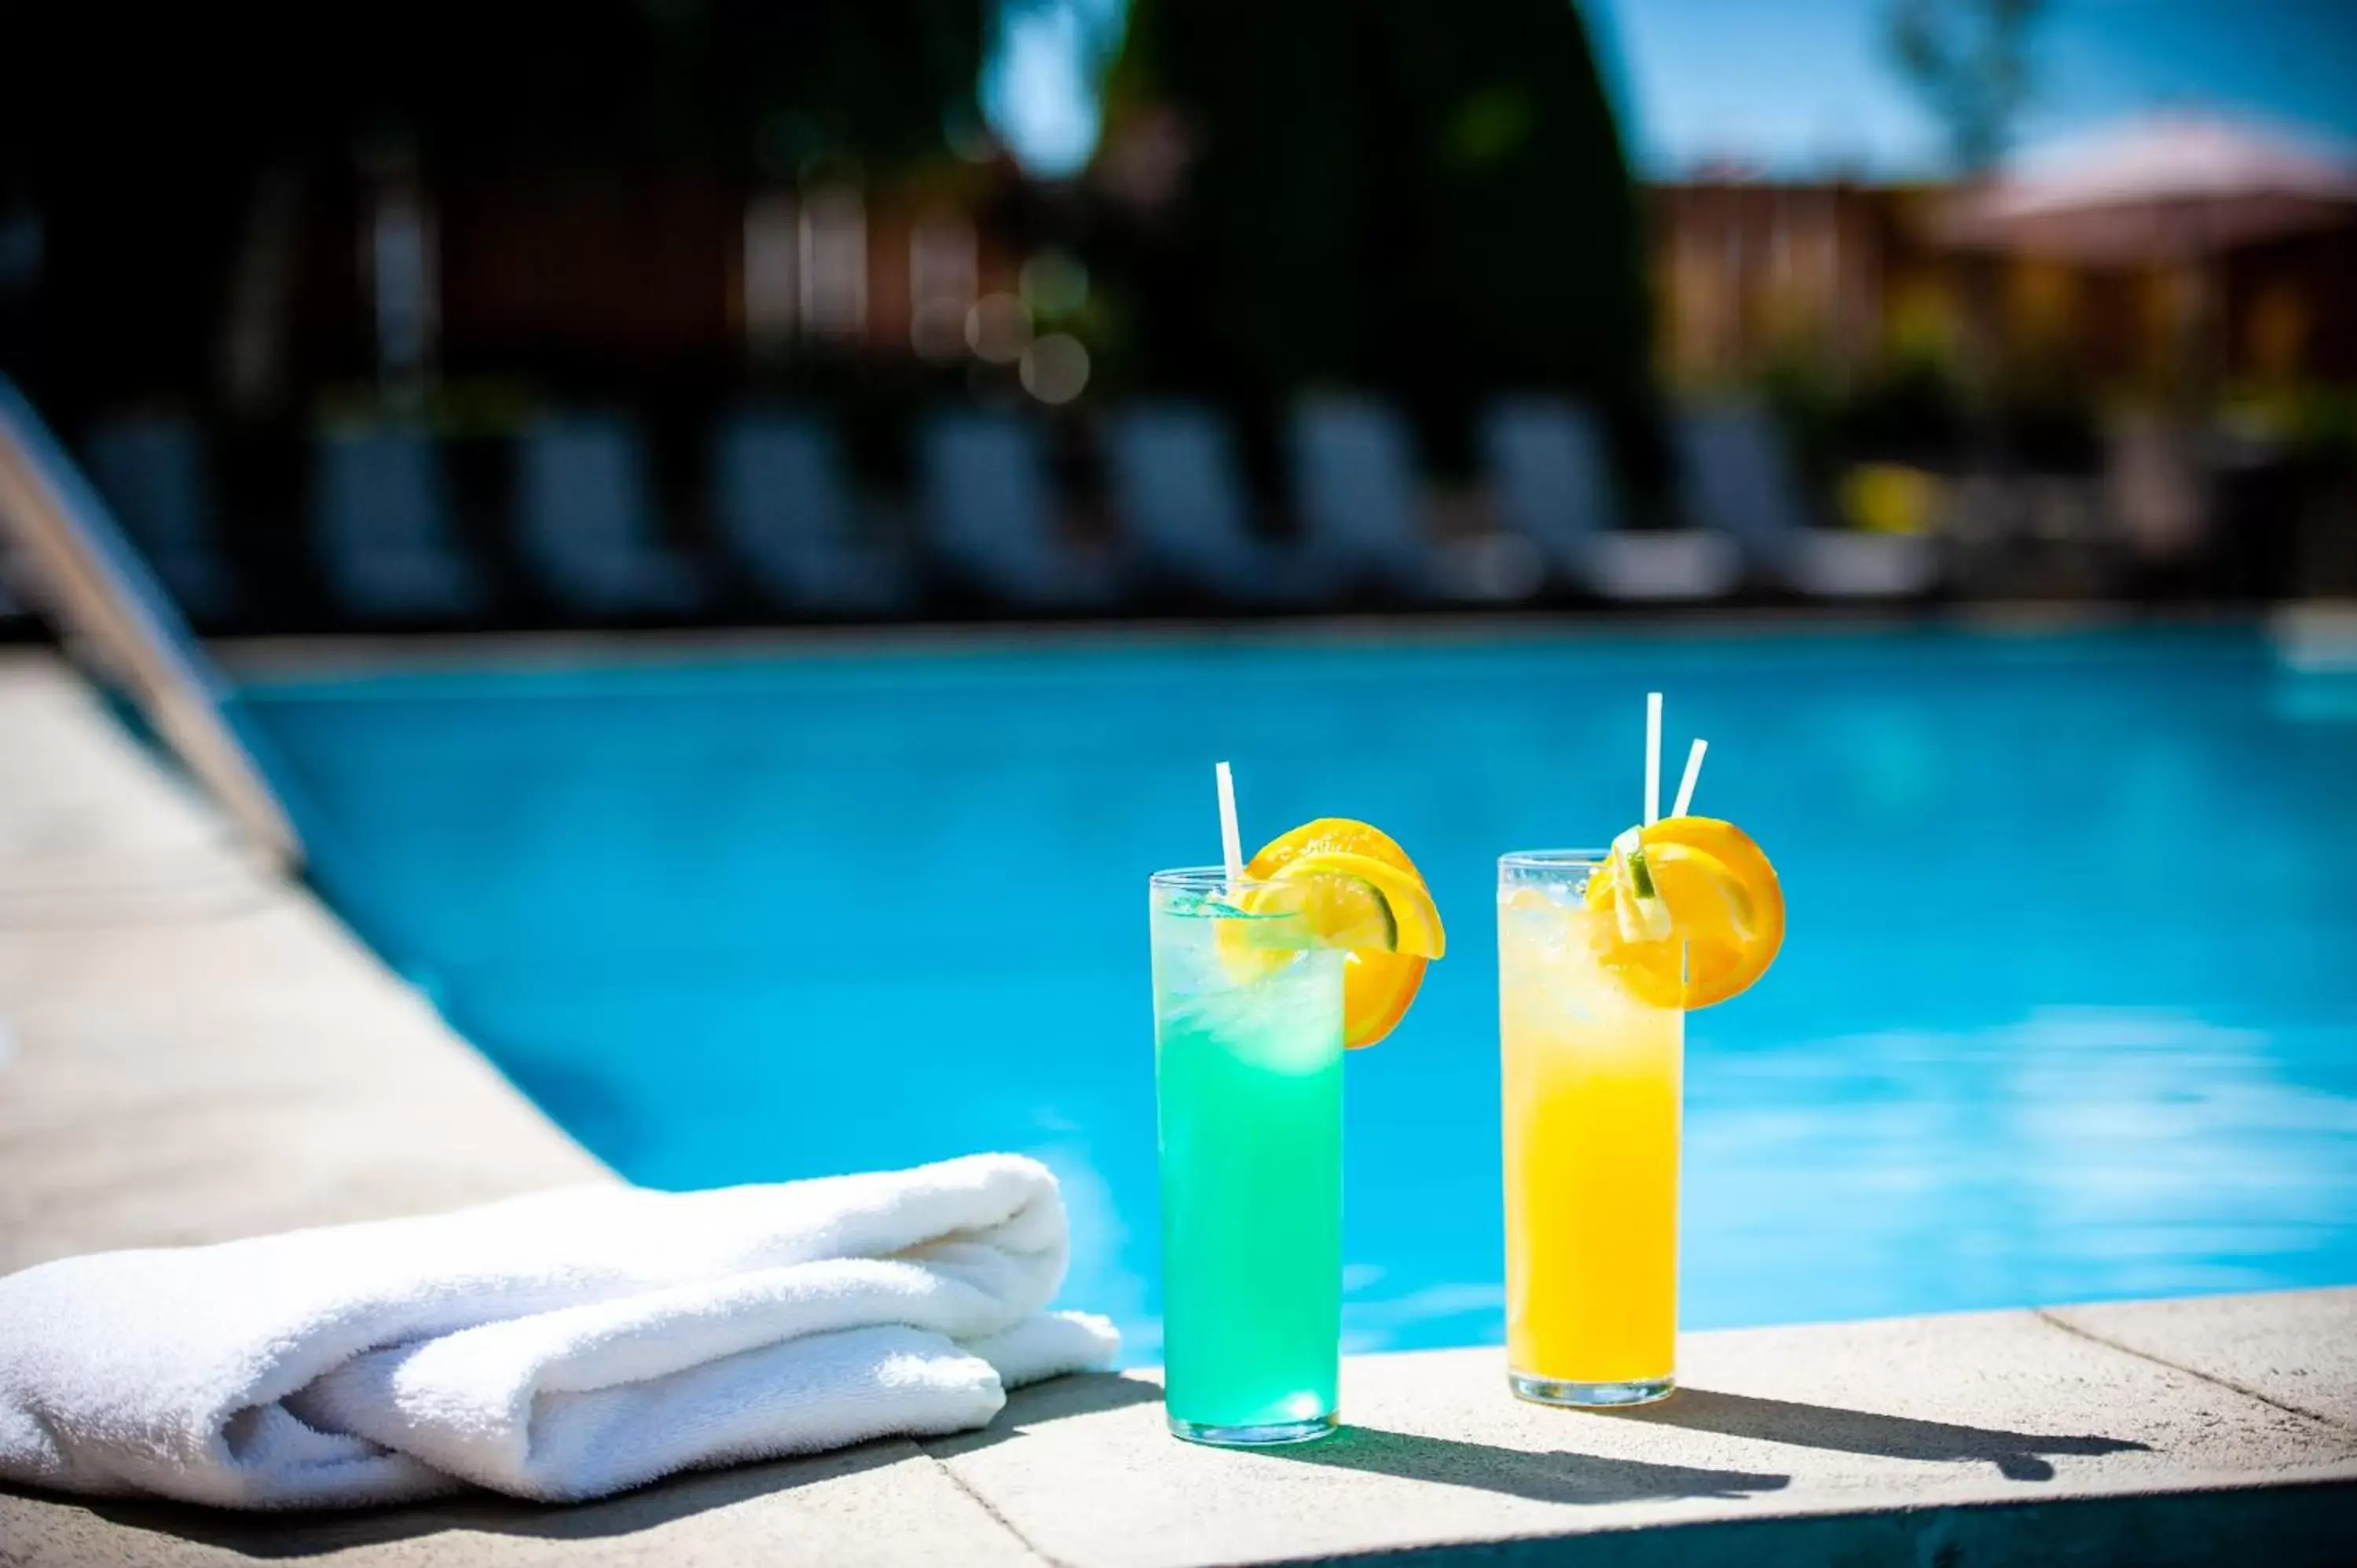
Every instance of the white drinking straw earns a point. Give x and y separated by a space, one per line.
1653 757
1231 841
1693 772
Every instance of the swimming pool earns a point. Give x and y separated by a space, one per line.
2068 1010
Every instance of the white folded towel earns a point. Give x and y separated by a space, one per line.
559 1346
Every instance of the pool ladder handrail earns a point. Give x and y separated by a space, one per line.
116 615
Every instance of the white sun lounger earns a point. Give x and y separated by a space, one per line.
1356 487
154 475
1553 487
990 515
1738 479
788 512
1179 490
586 521
382 527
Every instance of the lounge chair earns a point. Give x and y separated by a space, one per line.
1356 488
1553 487
382 524
154 475
787 512
990 515
1738 481
1180 494
586 521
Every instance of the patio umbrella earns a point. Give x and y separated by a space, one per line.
2172 189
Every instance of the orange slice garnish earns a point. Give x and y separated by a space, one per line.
1378 981
1695 914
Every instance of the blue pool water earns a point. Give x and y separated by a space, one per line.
2068 1009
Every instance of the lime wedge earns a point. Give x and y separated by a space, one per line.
1639 909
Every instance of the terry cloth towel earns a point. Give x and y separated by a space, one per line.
560 1345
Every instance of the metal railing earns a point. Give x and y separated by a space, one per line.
115 615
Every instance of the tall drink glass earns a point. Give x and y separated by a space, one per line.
1248 1072
1593 1085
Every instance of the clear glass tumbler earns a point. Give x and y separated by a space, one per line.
1593 1082
1248 1073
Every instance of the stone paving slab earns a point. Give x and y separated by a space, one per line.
2294 1349
75 786
1910 1414
191 1049
191 1080
882 1505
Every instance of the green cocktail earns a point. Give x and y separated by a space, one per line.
1248 1068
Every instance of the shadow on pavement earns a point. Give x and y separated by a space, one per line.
1552 1477
1081 1393
2017 1456
289 1535
293 1535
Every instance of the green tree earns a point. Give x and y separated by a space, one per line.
1431 201
1969 61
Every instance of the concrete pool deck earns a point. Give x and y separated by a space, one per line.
192 1048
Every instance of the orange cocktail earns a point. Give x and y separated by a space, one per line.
1601 955
1592 1092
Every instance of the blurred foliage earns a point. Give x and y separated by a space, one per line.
1908 407
2045 412
1431 201
1911 406
1914 406
721 83
2315 421
145 130
1970 61
1805 394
